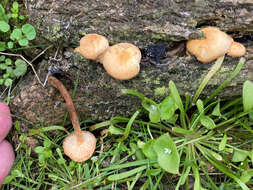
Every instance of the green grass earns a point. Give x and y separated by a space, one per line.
199 144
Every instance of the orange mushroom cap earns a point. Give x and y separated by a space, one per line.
236 50
122 61
215 44
79 152
92 45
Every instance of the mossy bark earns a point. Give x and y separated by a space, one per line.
142 22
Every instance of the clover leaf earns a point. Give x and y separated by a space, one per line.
20 69
4 26
29 31
16 34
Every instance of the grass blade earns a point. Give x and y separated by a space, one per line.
123 175
209 75
225 83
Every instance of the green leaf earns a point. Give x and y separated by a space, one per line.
14 15
4 26
2 46
181 131
197 185
176 96
3 66
8 82
223 142
154 114
39 149
246 175
41 158
8 61
152 108
47 143
6 75
21 17
240 155
154 172
2 10
29 31
216 110
9 71
168 157
129 125
10 45
23 42
115 131
48 154
207 122
15 5
247 95
148 149
2 58
20 69
16 34
167 108
200 106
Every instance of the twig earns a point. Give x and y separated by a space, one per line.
41 53
56 52
29 63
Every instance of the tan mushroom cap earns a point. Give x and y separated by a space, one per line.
92 45
215 44
236 50
122 61
79 152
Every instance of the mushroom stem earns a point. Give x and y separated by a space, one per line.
70 106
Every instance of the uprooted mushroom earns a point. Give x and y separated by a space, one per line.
80 145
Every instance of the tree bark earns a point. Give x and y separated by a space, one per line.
142 22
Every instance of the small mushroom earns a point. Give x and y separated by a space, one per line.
5 120
122 61
80 145
236 50
92 46
215 45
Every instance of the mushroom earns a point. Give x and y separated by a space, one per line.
80 145
92 46
6 159
236 50
5 120
122 61
215 45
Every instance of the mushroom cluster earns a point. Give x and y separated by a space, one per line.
215 44
121 61
6 151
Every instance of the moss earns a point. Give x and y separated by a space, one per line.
161 91
157 81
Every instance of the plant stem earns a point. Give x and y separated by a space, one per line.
70 106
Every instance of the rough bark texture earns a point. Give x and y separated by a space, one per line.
98 96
